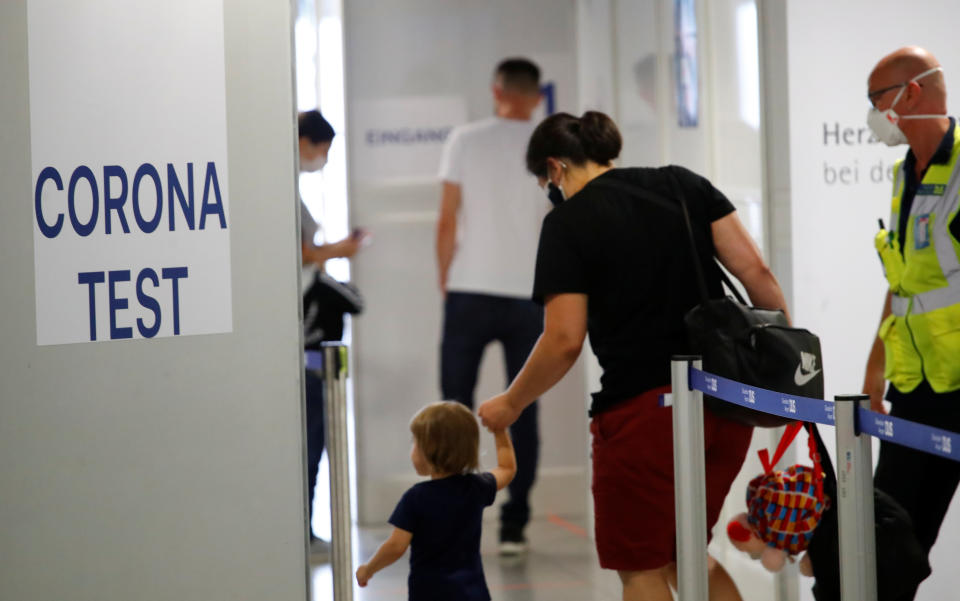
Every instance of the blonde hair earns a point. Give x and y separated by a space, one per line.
448 436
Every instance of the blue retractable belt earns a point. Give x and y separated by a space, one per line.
892 429
909 434
313 360
777 403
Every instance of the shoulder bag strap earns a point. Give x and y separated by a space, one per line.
693 245
651 196
701 280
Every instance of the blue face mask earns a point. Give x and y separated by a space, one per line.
555 194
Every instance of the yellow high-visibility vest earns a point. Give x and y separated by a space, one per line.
922 334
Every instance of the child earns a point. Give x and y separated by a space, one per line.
441 517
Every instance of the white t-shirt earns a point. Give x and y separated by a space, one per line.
501 207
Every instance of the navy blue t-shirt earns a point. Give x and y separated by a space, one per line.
444 517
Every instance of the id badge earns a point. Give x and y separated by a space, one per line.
921 231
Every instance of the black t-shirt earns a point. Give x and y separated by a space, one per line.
630 254
444 517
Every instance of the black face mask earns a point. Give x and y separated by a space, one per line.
555 194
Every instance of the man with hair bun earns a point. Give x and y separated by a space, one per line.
489 221
613 260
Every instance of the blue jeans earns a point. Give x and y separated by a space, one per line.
471 322
314 393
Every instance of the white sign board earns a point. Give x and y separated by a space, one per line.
841 178
841 184
130 201
403 138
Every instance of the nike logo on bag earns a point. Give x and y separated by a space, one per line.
801 379
803 375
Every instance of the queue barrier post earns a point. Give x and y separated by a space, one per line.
689 471
858 568
335 383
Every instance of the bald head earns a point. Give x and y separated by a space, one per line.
903 65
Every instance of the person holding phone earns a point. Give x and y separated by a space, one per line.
325 300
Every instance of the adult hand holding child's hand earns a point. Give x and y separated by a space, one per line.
498 413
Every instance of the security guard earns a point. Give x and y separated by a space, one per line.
918 346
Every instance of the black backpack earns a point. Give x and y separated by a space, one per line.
902 564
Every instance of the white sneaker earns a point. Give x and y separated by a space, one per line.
512 548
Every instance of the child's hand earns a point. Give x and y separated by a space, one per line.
390 551
363 575
506 459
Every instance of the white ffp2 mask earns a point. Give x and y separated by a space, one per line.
885 124
315 165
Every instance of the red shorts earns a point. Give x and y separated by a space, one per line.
633 479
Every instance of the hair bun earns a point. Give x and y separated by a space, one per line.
600 137
593 137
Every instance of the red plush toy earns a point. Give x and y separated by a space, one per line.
784 507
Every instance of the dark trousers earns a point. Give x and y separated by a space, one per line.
922 483
313 385
471 322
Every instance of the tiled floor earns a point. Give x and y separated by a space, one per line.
561 566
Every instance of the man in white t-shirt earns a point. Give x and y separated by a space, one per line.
487 234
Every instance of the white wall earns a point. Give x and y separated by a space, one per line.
165 468
837 283
432 49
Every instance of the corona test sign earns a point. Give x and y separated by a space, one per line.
129 190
